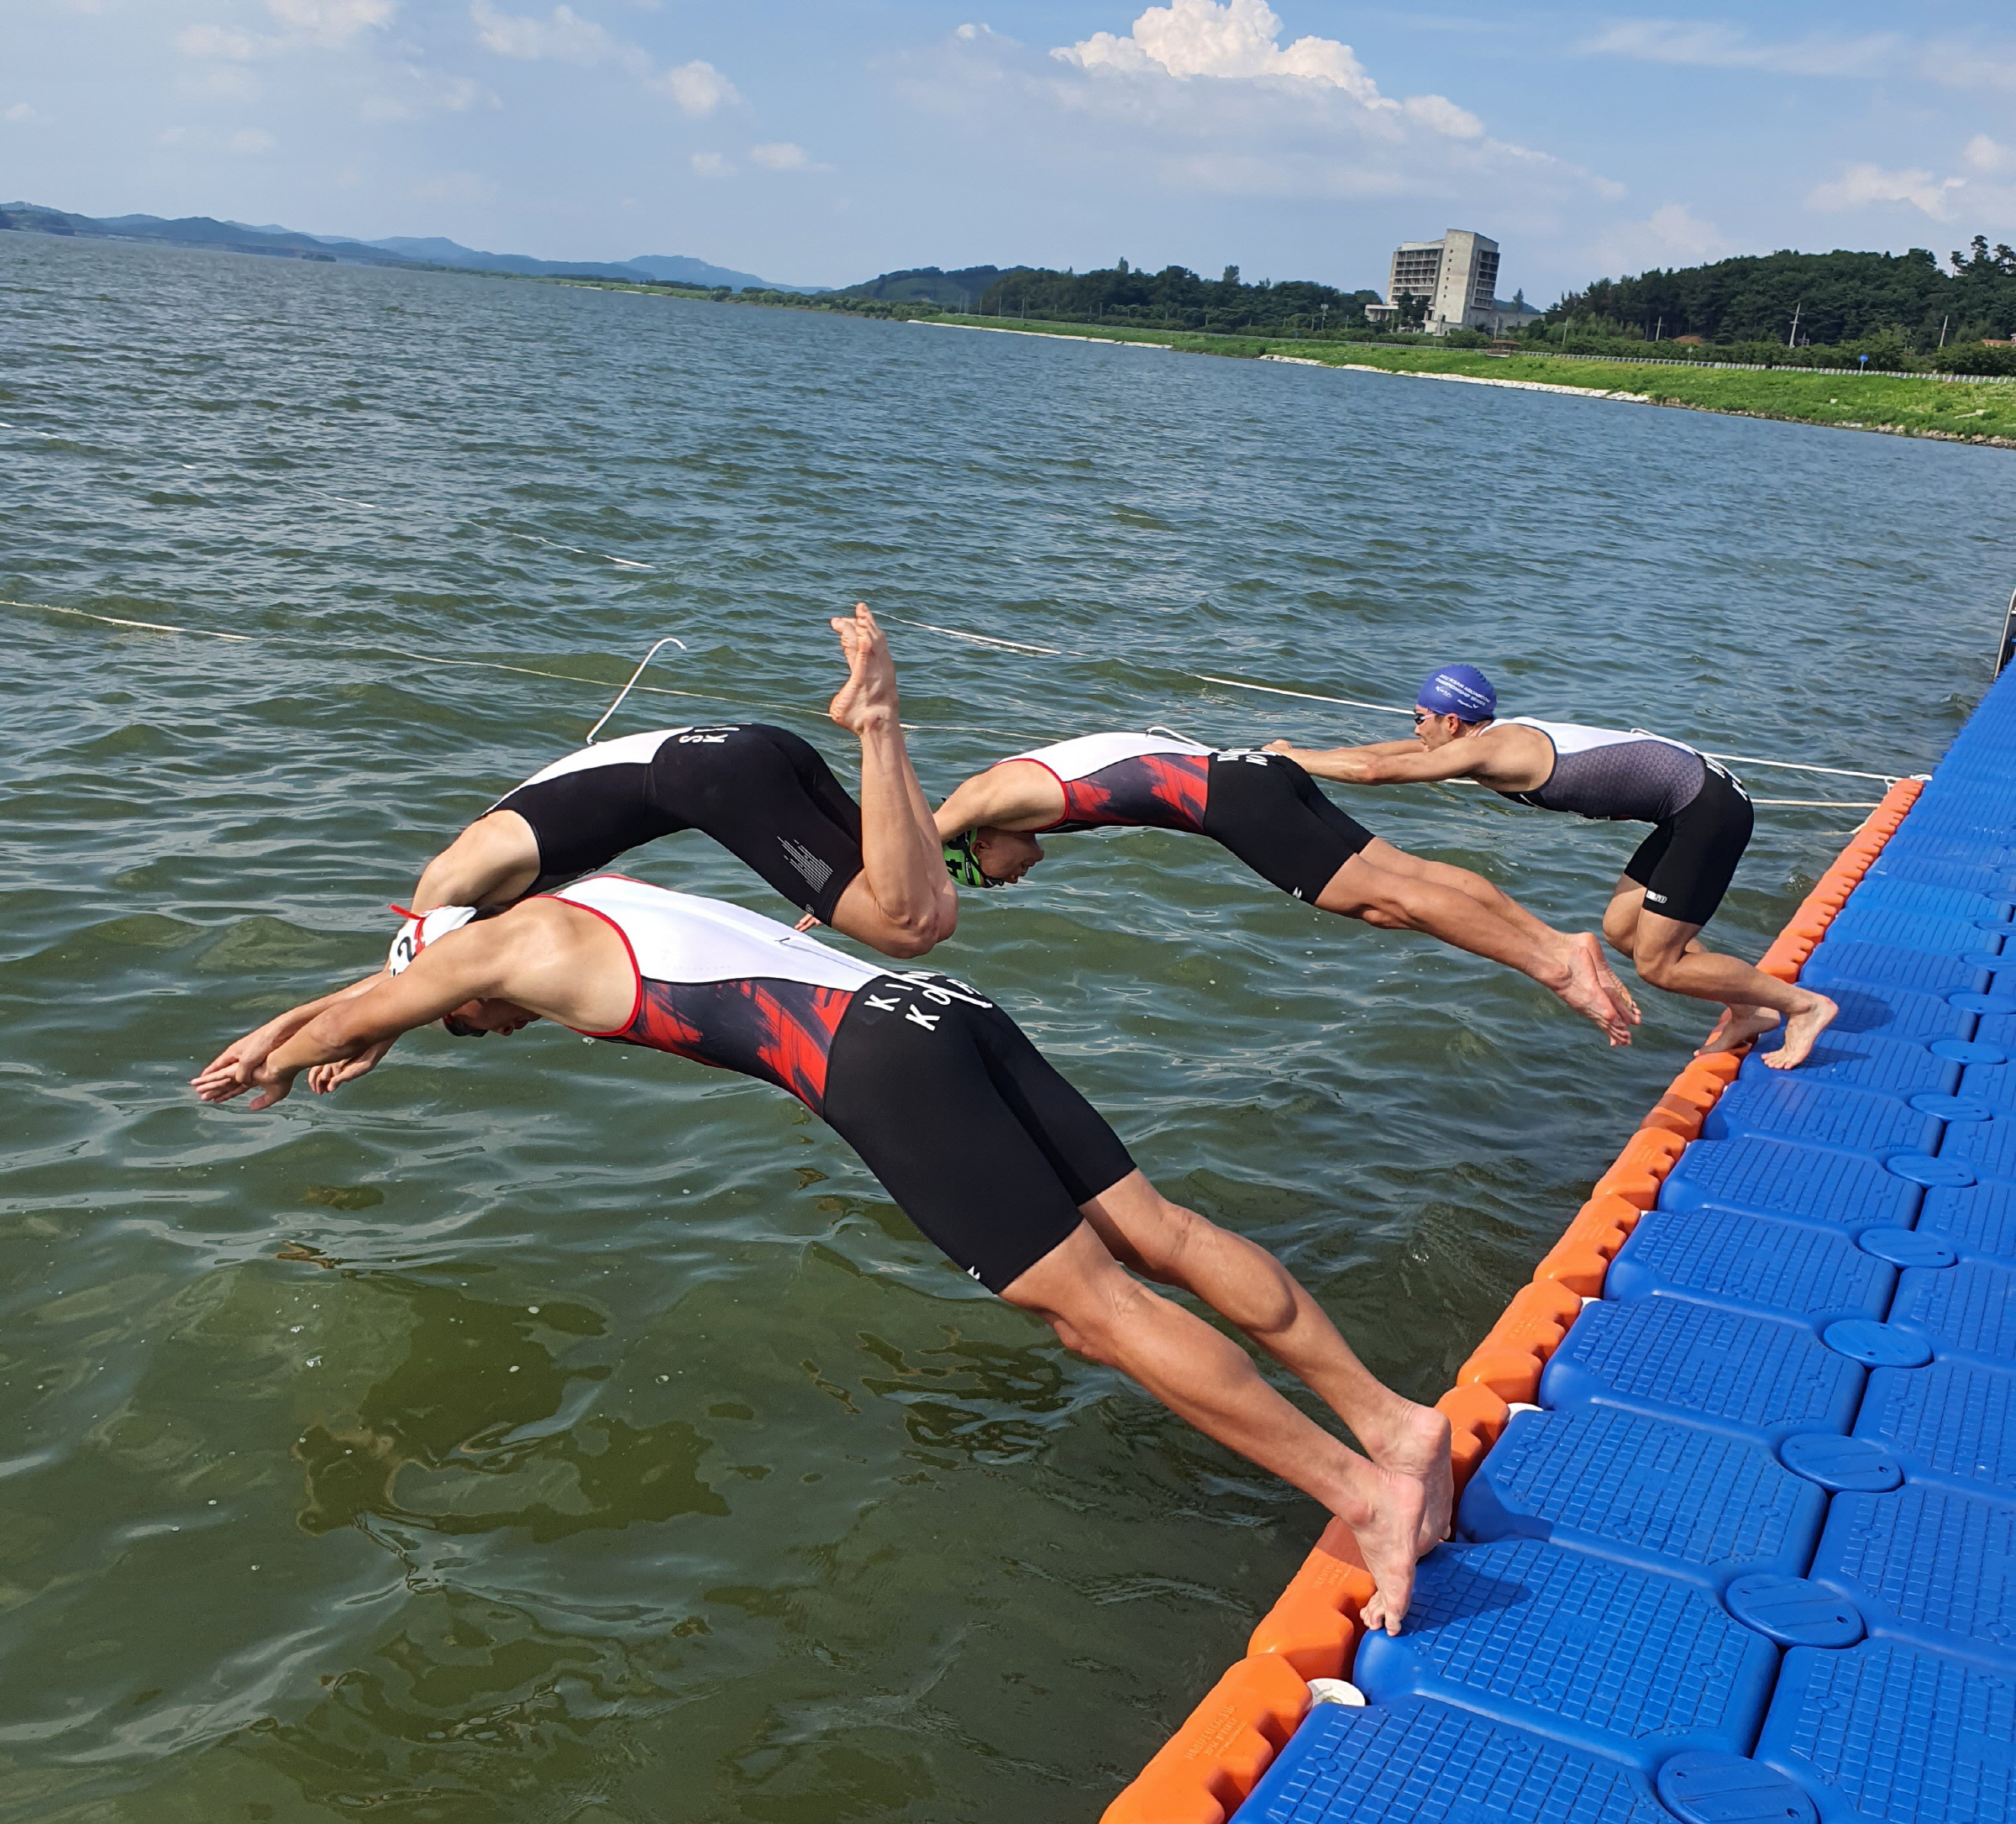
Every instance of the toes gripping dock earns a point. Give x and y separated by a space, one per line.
1737 1524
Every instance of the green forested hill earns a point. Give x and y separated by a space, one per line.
1839 297
1174 298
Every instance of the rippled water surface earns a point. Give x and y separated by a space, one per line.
565 1432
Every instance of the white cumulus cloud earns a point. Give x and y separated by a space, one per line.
563 36
1240 39
309 25
698 87
1672 235
19 113
712 165
1860 185
780 156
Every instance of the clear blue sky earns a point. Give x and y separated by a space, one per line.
822 141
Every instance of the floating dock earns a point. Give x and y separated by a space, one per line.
1737 1521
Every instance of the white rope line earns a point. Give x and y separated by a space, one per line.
979 639
114 620
704 696
1393 709
554 545
1275 690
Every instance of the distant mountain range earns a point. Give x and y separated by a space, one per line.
290 244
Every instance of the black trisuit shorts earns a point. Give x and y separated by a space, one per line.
981 1142
1275 818
763 793
1686 865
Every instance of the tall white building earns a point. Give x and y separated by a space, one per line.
1457 275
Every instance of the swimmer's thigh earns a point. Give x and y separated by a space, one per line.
766 796
583 820
933 1112
1687 864
1275 818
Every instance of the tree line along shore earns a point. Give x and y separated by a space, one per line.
1957 407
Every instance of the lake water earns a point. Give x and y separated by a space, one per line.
568 1432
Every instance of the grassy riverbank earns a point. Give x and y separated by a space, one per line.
1911 405
1907 404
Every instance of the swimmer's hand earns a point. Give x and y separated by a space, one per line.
1288 748
224 1085
324 1077
805 923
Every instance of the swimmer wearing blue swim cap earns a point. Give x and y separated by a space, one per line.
1671 887
1461 691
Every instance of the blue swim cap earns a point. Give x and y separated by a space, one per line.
1460 690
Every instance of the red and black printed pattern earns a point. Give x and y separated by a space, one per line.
779 1030
1160 791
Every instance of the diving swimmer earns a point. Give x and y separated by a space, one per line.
1701 821
1000 1161
1268 811
873 871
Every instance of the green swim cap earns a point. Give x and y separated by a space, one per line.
963 865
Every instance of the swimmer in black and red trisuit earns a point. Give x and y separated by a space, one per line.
1271 815
988 1150
873 871
1701 823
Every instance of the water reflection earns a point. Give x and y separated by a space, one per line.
482 1427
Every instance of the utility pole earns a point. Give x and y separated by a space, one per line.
1661 330
1792 341
1943 322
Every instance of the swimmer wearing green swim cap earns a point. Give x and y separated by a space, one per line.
1272 816
1671 887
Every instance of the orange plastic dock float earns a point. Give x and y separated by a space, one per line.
1672 1452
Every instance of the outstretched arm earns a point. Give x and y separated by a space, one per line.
253 1048
339 1028
1384 763
1015 795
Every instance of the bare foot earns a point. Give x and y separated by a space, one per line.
1386 1529
869 694
1802 1025
1583 990
1417 1446
1738 1026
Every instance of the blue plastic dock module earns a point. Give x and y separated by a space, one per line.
1757 1377
1788 1106
1592 1655
1895 1012
1891 966
1988 1147
1418 1763
1912 930
1896 863
1657 1496
1764 1177
1885 892
1964 1313
1863 1061
1950 1423
1881 1732
1927 1566
1980 1221
1751 1264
